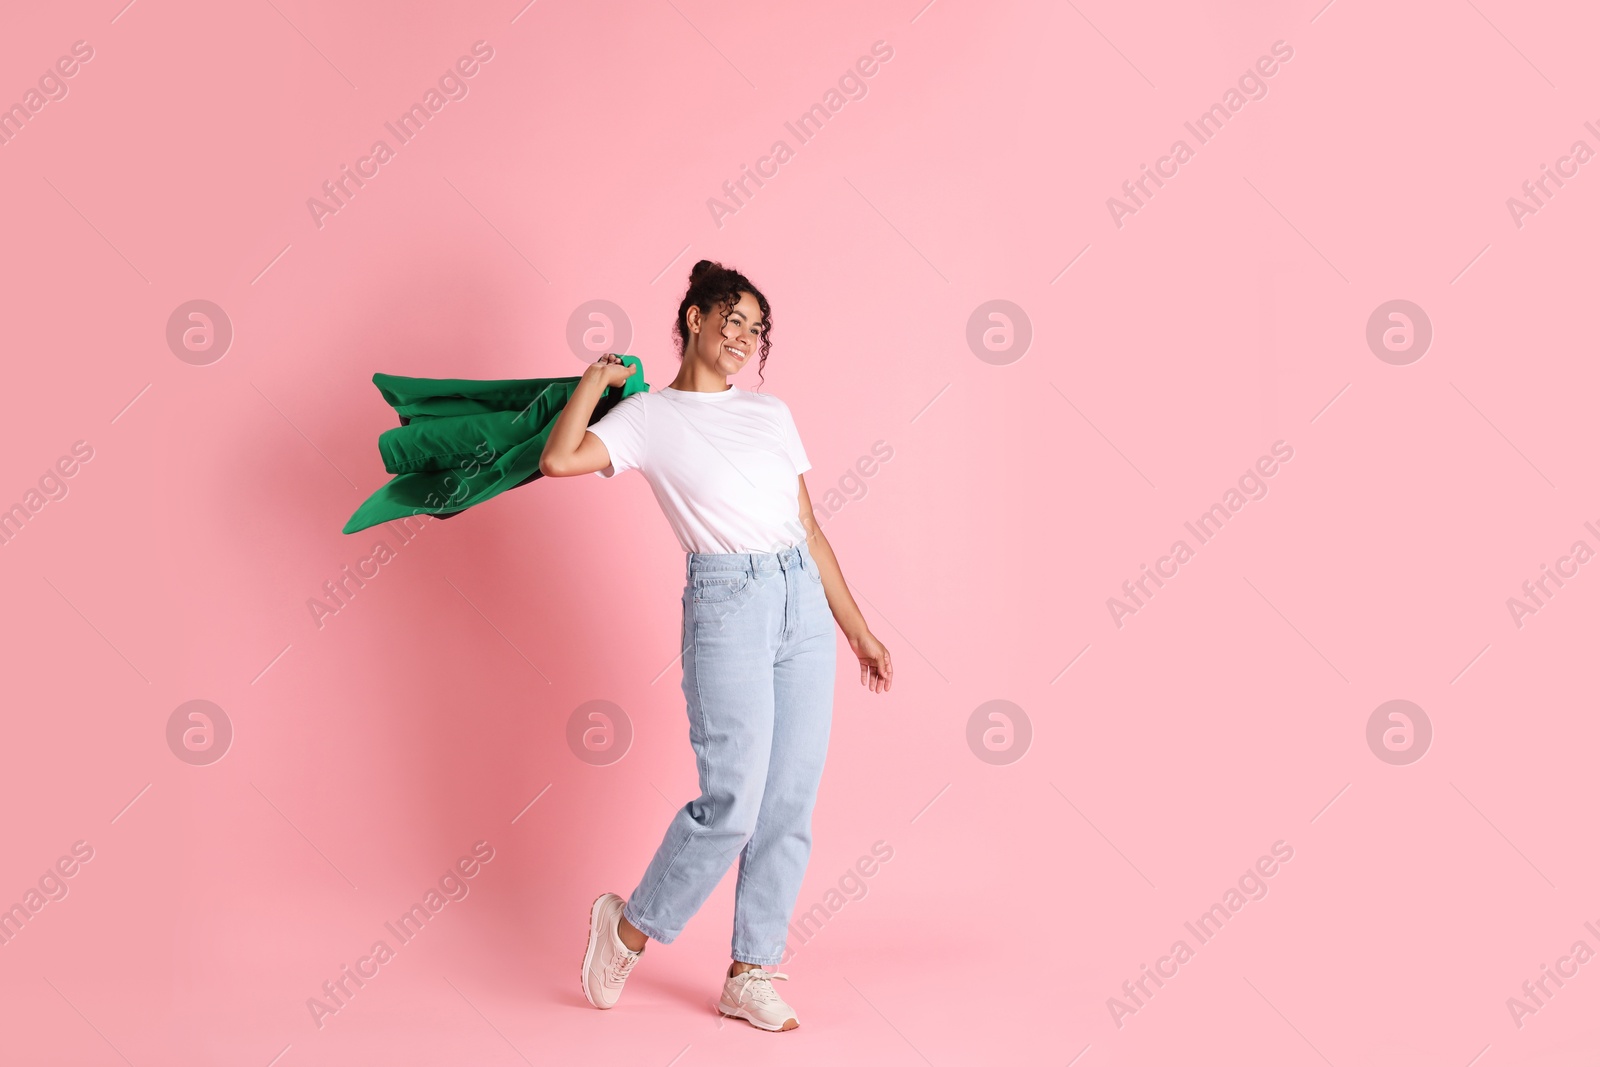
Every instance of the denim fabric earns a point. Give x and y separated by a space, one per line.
758 675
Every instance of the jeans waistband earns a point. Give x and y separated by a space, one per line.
752 563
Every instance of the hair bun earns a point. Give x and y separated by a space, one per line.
702 268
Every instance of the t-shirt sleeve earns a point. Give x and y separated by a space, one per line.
791 441
621 430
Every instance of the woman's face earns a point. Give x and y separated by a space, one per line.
726 343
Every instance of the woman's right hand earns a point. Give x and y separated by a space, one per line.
609 370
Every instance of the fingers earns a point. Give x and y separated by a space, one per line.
869 675
877 673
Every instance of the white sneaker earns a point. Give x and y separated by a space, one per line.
607 961
749 995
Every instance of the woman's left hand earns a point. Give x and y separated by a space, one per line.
877 672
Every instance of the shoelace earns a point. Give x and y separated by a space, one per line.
759 985
621 964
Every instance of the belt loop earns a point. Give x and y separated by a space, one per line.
750 564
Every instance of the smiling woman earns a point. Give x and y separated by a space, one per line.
762 592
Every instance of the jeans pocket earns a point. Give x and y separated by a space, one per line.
717 588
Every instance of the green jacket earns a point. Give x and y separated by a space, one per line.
461 442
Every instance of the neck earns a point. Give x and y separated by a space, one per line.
695 378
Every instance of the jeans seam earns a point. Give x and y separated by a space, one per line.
764 961
700 711
738 885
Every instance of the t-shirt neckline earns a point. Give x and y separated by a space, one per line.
702 395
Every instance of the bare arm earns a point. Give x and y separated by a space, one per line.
877 672
571 449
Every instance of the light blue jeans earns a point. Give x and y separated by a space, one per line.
758 674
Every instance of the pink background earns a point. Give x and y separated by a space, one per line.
1230 312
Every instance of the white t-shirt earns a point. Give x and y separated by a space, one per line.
724 466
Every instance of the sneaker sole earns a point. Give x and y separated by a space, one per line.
740 1015
588 952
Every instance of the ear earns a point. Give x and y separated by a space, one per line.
692 317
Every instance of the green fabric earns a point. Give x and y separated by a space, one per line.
462 441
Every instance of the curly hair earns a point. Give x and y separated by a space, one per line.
713 285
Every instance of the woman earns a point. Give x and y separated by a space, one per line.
759 651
